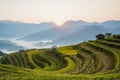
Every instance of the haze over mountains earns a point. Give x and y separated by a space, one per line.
47 33
12 29
75 31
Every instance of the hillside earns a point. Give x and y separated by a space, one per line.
1 53
91 60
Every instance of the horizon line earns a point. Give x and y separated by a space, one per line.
56 22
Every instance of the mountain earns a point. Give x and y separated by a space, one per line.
70 32
67 28
1 53
87 33
13 29
111 24
9 46
74 28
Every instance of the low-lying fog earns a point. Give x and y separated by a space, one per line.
30 44
24 44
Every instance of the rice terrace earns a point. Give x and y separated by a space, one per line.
90 60
59 39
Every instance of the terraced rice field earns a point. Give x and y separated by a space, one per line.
92 60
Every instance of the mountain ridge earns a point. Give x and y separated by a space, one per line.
70 32
73 27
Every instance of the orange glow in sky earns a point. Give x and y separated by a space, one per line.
59 11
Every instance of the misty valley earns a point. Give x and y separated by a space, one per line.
16 36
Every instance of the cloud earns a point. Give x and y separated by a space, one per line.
31 44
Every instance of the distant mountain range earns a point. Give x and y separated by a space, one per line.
70 32
75 31
11 29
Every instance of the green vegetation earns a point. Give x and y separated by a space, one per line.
68 50
93 60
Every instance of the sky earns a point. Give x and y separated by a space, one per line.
59 11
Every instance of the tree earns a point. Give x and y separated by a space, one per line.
108 34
